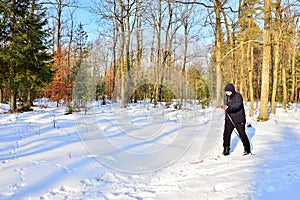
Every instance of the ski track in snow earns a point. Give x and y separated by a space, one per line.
39 161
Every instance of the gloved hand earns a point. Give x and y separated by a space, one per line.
224 107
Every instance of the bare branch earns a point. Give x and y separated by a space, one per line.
194 2
238 46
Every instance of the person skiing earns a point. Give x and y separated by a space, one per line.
234 118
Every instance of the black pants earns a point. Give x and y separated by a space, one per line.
241 130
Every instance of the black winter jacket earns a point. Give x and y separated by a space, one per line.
235 108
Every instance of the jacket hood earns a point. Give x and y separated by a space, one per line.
229 87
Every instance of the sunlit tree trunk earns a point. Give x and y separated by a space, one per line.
218 50
251 68
241 65
242 59
1 95
264 95
121 54
293 62
114 59
276 57
284 82
250 62
231 47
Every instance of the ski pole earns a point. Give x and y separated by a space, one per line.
236 131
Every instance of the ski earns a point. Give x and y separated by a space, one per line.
196 161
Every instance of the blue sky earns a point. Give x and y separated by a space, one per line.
87 19
82 15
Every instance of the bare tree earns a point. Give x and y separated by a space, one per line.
61 86
187 21
218 51
156 15
250 60
217 7
70 43
242 49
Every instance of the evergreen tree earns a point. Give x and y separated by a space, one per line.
198 83
24 54
81 48
38 71
5 43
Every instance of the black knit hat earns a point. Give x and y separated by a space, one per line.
229 87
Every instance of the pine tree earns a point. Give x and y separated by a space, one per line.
39 71
24 54
81 49
4 43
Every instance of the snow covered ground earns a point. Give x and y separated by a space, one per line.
144 153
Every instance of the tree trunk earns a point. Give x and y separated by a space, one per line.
139 43
167 48
230 45
121 55
241 61
218 53
114 64
13 101
69 53
13 94
29 99
276 59
293 63
158 66
250 60
264 96
128 42
152 75
185 52
58 34
242 73
285 96
251 68
1 95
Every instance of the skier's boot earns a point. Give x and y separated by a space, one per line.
226 150
246 151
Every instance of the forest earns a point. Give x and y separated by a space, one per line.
154 51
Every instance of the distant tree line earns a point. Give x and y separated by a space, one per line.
158 50
255 46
